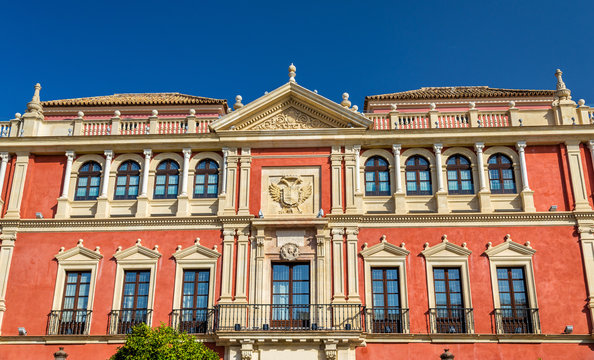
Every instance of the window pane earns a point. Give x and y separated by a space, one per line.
204 276
383 176
440 299
301 272
376 274
189 276
120 191
280 287
82 181
83 290
456 299
392 286
423 175
129 289
467 185
213 179
70 290
370 186
393 300
504 298
203 288
134 180
411 175
133 190
160 190
301 287
280 272
493 174
160 180
199 189
188 289
503 285
455 286
200 178
452 185
465 174
425 186
517 273
440 286
173 179
212 189
378 300
439 273
144 276
95 180
518 285
378 286
392 274
381 162
453 273
369 176
121 180
384 186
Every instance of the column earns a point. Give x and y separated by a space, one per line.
244 181
106 170
351 177
242 265
322 275
224 172
6 249
148 153
484 194
578 181
229 183
336 160
352 266
587 242
397 174
338 265
187 154
67 173
441 195
4 157
227 273
526 194
357 150
18 184
257 280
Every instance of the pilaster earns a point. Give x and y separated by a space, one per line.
183 199
257 280
8 239
18 185
244 181
336 161
227 273
242 265
4 157
586 231
441 196
229 183
527 194
576 171
322 266
399 194
352 265
351 182
338 265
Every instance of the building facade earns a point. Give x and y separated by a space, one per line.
296 227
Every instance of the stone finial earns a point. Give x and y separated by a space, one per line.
238 103
426 245
562 91
444 238
215 248
60 354
292 72
156 248
403 245
383 238
472 105
178 248
138 242
512 104
345 100
365 246
119 249
489 245
581 102
98 249
355 108
432 106
508 237
197 241
17 116
393 107
80 114
35 104
117 113
62 249
79 243
528 244
464 245
154 113
192 112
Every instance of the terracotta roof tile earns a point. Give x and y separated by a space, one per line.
460 92
136 99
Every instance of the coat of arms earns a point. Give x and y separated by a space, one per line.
290 192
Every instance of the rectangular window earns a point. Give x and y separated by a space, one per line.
290 296
386 312
74 313
515 311
134 309
449 307
194 302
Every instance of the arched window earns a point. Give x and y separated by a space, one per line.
127 181
459 175
501 175
89 179
206 183
166 180
418 176
377 177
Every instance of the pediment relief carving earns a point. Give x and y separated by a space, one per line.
290 119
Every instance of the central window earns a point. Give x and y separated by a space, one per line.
89 178
194 306
501 175
73 317
459 175
449 308
387 314
515 312
290 296
206 179
418 176
134 300
127 181
377 178
166 180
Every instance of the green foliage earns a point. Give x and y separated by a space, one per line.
162 343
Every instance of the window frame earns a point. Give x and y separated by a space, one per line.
167 172
127 174
376 170
88 175
459 168
207 172
416 168
500 167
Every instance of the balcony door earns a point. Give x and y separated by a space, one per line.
290 296
449 312
386 312
74 313
194 306
515 312
134 309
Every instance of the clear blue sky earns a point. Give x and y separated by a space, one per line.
220 49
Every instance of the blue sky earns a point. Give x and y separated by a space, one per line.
221 49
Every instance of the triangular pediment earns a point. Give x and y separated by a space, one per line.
291 107
384 250
79 253
446 249
137 252
196 252
509 249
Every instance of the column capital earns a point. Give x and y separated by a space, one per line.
225 151
108 154
437 148
246 151
591 144
520 145
357 148
4 156
479 146
147 153
70 154
187 153
396 149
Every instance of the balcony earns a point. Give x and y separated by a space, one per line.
122 321
69 322
386 320
194 321
517 321
452 320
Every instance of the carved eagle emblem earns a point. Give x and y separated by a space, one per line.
290 192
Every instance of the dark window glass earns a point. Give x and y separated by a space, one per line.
449 305
377 177
135 294
290 295
75 303
194 301
418 176
501 175
166 180
513 298
89 179
459 175
127 181
386 312
206 183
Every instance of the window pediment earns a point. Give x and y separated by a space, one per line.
445 249
137 252
196 252
383 250
509 248
79 253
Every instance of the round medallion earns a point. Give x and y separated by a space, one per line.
289 252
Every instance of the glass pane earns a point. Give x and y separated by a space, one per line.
203 288
411 175
95 181
452 174
160 180
492 159
280 272
121 180
508 184
410 161
502 273
440 286
378 287
504 298
423 175
465 174
455 286
384 186
72 277
517 274
187 302
82 181
70 290
495 185
507 173
213 179
440 299
392 274
425 186
456 299
504 159
189 276
69 303
212 189
200 178
160 190
439 273
143 289
467 185
369 176
134 180
204 276
128 302
503 285
451 160
202 301
188 289
393 300
82 302
142 302
519 285
378 300
493 174
370 186
93 192
120 191
452 185
381 161
129 289
301 272
520 299
202 165
300 299
280 299
392 286
383 175
453 274
410 186
376 274
133 190
83 290
85 277
280 287
172 190
301 287
173 179
199 189
422 161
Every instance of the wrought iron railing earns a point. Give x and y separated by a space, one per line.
273 317
69 322
456 320
517 321
386 320
122 321
194 321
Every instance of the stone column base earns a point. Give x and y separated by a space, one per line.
528 201
442 202
102 208
484 197
400 203
63 211
183 206
142 206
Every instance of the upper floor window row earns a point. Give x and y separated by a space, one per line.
128 180
459 170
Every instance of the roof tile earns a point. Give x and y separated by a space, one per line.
136 99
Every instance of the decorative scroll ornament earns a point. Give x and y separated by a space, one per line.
289 120
290 192
289 252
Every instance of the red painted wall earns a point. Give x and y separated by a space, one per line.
560 281
33 274
548 177
75 352
258 164
482 351
43 186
